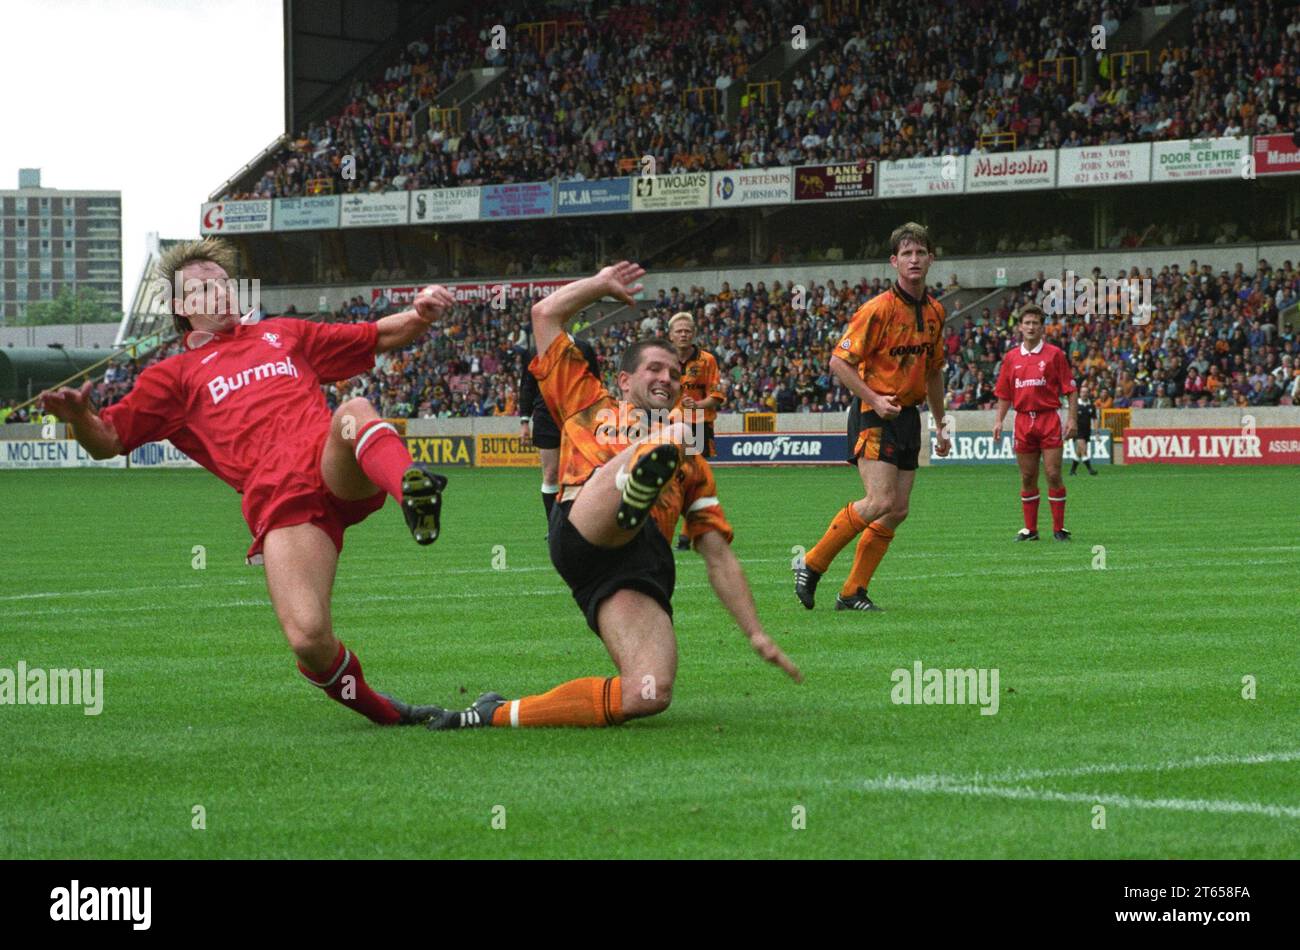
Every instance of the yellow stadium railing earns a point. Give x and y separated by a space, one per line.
448 118
1116 420
1121 62
993 140
535 32
760 422
701 92
394 123
1057 66
761 90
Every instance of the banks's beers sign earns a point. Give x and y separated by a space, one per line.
835 182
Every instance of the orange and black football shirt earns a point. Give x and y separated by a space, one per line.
595 427
895 340
701 380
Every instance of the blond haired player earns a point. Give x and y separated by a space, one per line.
702 391
891 359
244 400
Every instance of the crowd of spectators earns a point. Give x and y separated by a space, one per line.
610 84
1208 340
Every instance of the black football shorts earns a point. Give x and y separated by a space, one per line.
593 574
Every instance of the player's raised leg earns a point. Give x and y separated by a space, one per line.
1056 491
300 564
364 454
1028 464
616 500
883 509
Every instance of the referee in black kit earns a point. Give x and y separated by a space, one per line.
545 431
1083 438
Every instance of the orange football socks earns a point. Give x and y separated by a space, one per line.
871 548
590 701
845 526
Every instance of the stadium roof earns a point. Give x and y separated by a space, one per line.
328 41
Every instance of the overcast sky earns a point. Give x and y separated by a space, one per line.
162 100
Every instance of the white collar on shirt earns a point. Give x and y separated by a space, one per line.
1025 352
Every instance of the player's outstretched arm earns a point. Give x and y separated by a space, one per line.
728 580
96 436
550 314
397 330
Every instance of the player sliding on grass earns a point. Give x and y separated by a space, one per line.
891 359
244 401
620 499
1034 377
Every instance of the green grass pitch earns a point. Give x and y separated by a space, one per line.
1120 686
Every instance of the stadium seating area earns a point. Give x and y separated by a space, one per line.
903 79
1213 340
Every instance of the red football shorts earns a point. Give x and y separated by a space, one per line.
1036 431
287 489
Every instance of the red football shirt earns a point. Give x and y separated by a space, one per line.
227 402
1034 380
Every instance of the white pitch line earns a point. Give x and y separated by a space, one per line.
41 595
929 786
1119 768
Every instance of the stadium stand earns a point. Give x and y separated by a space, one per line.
903 79
1212 341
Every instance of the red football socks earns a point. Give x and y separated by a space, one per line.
382 455
1056 498
1029 502
344 683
